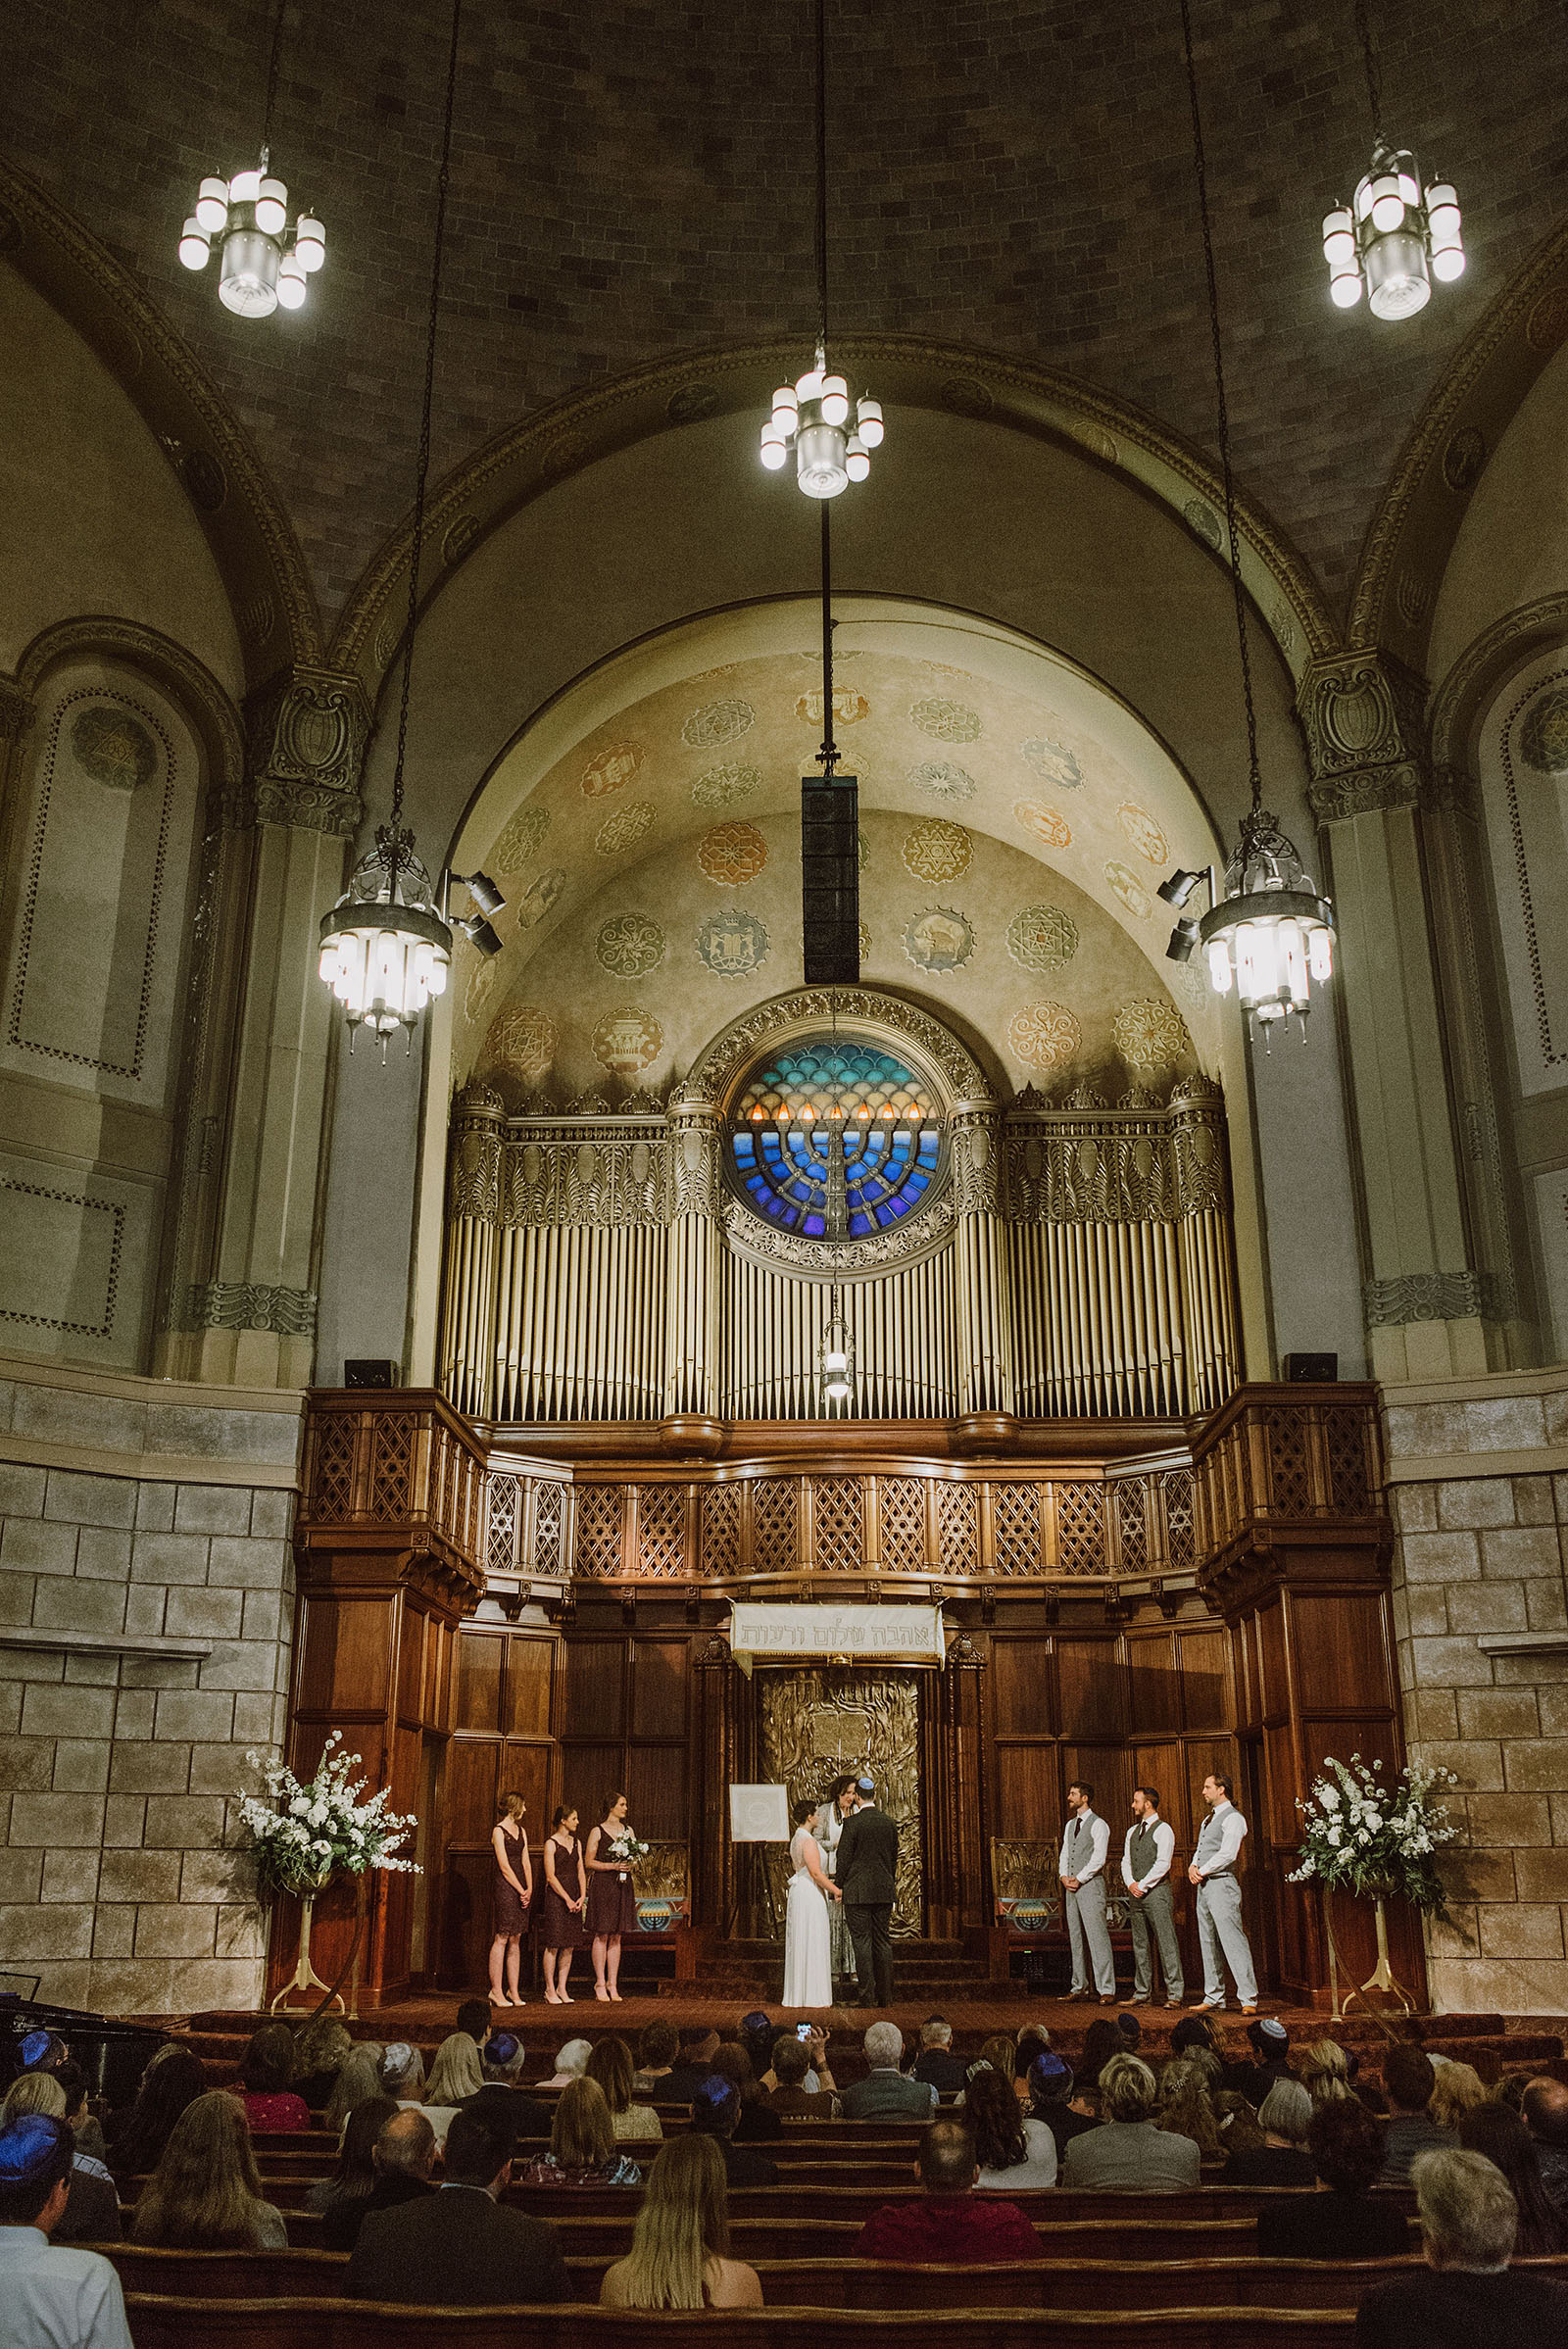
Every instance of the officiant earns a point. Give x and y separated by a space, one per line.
841 1799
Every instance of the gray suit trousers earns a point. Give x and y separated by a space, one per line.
1155 1913
1087 1928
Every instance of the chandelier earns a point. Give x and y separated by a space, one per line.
836 1358
1266 931
1395 236
814 413
262 260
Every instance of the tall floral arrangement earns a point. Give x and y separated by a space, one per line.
303 1835
1359 1835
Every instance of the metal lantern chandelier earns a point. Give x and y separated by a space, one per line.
812 415
1267 931
262 260
1395 236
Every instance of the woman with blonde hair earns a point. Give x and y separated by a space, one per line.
92 2201
611 2064
1187 2107
205 2193
510 1896
456 2073
358 2077
679 2255
582 2144
320 2049
1325 2073
1459 2090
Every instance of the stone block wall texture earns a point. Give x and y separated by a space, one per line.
1478 1493
120 1753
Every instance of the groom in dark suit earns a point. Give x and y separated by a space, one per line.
867 1874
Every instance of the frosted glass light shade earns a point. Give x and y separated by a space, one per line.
248 281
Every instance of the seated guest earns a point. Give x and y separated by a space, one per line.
42 2051
1281 2160
205 2193
1457 2089
1270 2059
1543 2110
84 2125
1186 2106
1349 2221
1127 2151
140 2131
455 2077
950 2224
49 2298
699 2044
758 2123
500 2100
679 2255
1409 2080
818 2079
474 2017
401 2161
610 2066
400 2070
1324 2072
656 2051
358 2079
756 2033
715 2113
1196 2030
1466 2297
1239 2128
936 2063
1051 2101
1015 2154
320 2047
571 2063
1101 2040
582 2144
355 2174
92 2200
1030 2043
1499 2133
884 2094
455 2248
792 2099
270 2104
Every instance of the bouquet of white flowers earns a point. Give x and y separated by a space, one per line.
625 1849
303 1835
1361 1836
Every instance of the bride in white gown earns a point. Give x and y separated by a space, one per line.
808 1959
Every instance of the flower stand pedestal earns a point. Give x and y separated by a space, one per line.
305 1977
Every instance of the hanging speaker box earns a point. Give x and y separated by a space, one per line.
830 879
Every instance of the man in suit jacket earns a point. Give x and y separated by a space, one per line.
867 1880
1127 2151
936 2062
885 2094
457 2249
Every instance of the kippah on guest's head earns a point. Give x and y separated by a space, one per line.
40 2050
28 2145
1048 2074
1132 2031
712 2100
502 2049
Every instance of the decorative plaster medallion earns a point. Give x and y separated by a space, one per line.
1043 1034
1412 594
388 637
1463 459
519 838
1202 517
539 895
1543 736
1041 938
1150 1033
1283 625
723 786
1045 822
1052 761
716 722
1194 984
459 536
480 987
732 854
866 942
849 707
937 851
113 747
624 828
939 940
692 404
1547 322
610 770
627 1041
942 779
1129 889
947 720
734 943
630 945
1144 832
522 1041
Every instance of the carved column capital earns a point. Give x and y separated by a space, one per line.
1361 713
306 734
974 1142
478 1122
694 1159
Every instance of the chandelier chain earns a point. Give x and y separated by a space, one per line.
274 55
423 463
1374 79
1201 173
821 173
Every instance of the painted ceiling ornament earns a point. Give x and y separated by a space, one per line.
1052 761
539 895
627 1041
1543 735
945 720
1041 938
715 722
732 854
480 988
630 945
734 943
1044 822
725 786
1043 1034
610 770
942 779
1144 834
938 850
624 828
519 840
523 1041
1128 890
114 748
849 707
939 940
865 943
1150 1033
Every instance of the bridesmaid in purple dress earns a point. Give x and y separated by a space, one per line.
612 1902
509 1900
561 1927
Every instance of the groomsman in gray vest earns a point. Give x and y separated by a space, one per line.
1085 1843
1146 1860
1219 1899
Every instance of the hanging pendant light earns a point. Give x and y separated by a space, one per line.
386 944
1395 236
812 416
262 262
1267 930
836 1357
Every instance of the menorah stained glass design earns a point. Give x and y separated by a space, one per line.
835 1138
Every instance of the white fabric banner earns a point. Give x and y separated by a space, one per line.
777 1634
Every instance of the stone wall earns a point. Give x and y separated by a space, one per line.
146 1615
1479 1476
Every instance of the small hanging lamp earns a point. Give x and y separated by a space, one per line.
263 262
1395 236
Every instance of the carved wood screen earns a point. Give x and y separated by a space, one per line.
817 1724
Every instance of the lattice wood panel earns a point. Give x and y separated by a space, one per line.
838 1524
721 1529
661 1531
1132 1524
1080 1528
775 1523
549 1528
1290 1471
901 1512
599 1530
958 1521
391 1464
1016 1527
1181 1541
1346 1438
504 1522
332 1492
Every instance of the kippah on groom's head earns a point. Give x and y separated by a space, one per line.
865 1786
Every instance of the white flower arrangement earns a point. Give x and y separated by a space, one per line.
302 1836
626 1849
1359 1835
